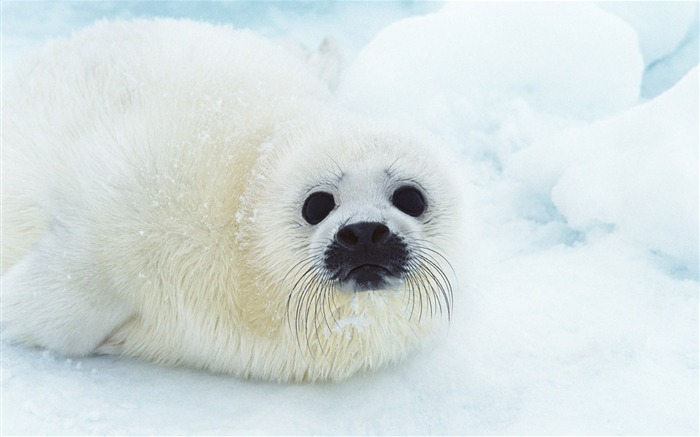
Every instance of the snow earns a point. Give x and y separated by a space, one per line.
577 130
661 26
626 173
668 38
570 58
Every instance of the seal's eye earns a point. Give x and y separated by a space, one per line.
409 201
317 207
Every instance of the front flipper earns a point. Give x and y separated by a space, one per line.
59 299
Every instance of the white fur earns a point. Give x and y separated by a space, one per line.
153 178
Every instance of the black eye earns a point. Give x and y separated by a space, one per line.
409 201
317 207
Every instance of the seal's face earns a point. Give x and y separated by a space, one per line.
366 256
367 250
353 232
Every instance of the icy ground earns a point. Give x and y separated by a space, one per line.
577 130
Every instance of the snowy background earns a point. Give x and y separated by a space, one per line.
576 125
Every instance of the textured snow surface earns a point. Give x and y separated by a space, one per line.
577 130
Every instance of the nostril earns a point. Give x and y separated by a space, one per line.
346 236
380 234
363 234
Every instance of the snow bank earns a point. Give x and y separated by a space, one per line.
661 26
635 174
571 59
668 38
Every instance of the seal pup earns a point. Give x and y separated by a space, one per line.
191 195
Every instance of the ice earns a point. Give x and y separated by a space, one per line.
576 127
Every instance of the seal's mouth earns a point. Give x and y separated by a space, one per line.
366 256
369 277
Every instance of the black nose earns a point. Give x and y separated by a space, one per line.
362 234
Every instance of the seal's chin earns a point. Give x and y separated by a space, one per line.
369 277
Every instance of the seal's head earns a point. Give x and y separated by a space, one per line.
353 231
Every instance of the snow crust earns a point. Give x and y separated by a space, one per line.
578 306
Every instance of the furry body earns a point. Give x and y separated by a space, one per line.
153 174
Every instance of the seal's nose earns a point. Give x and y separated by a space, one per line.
368 234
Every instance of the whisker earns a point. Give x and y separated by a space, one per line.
440 285
314 309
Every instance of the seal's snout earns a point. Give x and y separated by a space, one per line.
364 235
366 256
